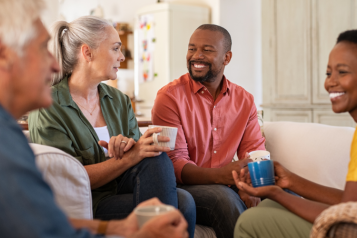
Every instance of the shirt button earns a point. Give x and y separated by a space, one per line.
202 91
215 129
215 152
214 106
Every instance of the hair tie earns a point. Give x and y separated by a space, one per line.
64 31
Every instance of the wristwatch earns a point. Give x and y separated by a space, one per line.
102 228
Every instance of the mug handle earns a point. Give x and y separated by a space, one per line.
154 137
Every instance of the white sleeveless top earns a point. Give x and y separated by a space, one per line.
103 134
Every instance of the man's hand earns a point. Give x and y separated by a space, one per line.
226 171
129 226
243 176
171 224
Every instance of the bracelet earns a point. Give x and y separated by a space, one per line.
102 228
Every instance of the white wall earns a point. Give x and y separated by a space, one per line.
114 10
213 4
242 18
51 13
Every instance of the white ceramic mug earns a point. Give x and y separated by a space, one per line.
259 155
168 131
143 214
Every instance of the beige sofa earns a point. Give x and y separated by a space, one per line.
317 152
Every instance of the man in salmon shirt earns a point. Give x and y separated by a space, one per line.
215 119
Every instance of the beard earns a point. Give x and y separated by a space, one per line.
210 76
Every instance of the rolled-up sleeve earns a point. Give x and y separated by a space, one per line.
134 131
252 139
166 113
45 130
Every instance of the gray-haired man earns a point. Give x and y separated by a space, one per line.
26 202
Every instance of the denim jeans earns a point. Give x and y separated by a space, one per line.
217 206
152 177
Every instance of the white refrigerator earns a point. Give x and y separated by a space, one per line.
161 39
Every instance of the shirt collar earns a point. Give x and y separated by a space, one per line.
65 98
225 86
197 86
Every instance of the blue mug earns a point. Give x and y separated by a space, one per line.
262 173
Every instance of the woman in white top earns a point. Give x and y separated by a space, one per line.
86 113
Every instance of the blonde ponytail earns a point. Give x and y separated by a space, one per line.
69 37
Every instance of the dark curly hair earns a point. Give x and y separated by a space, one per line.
348 36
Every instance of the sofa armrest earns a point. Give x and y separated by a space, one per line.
335 221
68 179
27 134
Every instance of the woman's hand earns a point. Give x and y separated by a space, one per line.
244 185
283 177
262 192
250 201
117 145
144 147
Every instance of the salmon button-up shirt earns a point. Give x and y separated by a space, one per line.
210 131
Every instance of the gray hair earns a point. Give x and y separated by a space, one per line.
69 37
17 19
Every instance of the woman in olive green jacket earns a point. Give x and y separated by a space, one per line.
95 123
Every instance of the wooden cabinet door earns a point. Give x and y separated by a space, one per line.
291 115
286 35
328 117
329 19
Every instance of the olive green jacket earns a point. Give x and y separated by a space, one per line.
65 127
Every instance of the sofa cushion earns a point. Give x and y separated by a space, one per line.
68 179
27 134
319 153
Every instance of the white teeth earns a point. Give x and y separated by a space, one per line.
199 66
333 95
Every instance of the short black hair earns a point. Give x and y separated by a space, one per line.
225 33
348 36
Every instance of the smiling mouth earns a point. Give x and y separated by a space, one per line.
199 65
334 95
